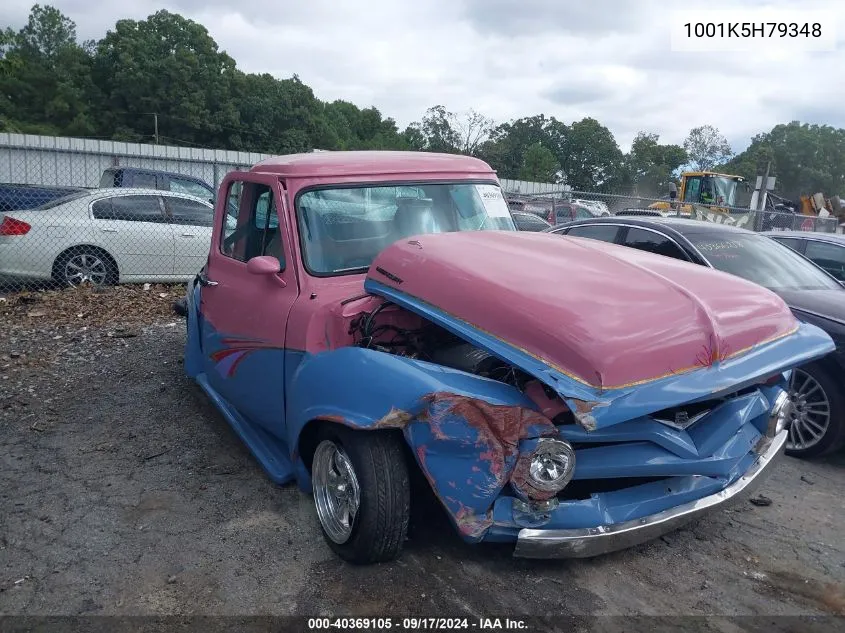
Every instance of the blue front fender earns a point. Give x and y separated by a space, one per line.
464 430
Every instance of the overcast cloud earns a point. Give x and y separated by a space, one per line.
607 59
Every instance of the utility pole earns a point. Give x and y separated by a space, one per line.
764 189
155 122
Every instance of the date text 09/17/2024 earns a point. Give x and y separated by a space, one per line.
416 624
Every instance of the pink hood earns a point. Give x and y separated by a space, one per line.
607 316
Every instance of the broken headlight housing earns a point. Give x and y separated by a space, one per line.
545 470
781 414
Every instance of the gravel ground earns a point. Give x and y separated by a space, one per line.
123 492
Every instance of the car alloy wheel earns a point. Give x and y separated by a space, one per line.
337 494
85 267
811 412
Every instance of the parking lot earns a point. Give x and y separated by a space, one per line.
124 492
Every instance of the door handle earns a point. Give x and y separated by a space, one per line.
188 235
203 279
109 230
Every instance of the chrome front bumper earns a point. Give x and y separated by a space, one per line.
587 542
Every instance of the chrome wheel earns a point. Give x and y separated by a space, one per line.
336 491
85 267
810 411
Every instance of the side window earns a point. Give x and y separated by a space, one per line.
252 223
652 242
191 188
529 222
140 179
129 208
792 242
602 232
107 180
829 256
102 209
189 212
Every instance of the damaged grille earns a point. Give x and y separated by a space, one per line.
684 416
581 489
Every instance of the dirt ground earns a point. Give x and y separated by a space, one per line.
123 492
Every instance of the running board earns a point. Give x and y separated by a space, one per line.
270 452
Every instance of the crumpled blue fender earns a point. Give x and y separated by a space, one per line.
464 430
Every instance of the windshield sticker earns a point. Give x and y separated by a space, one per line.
494 201
715 247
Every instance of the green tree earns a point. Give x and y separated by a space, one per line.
508 142
591 159
539 164
45 82
170 66
706 147
651 165
355 128
473 131
805 159
47 33
436 132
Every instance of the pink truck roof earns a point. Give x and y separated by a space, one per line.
371 163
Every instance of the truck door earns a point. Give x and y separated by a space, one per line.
244 314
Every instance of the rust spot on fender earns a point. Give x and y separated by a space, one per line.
506 424
394 419
499 427
584 413
471 524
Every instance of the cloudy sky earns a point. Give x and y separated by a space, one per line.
613 60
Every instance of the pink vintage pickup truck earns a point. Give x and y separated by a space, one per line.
366 314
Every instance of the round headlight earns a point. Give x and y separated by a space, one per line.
781 414
552 465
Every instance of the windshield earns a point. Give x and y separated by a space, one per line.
725 190
343 229
719 190
761 260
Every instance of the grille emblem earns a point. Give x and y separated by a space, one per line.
682 420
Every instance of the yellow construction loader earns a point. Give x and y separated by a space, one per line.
703 187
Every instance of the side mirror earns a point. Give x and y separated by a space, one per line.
266 265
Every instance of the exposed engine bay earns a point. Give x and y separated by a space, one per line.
391 329
431 343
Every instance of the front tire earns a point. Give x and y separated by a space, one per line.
818 426
361 493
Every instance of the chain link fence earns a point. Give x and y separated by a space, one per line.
78 212
565 206
85 212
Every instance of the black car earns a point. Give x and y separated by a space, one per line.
526 221
814 296
824 249
139 178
